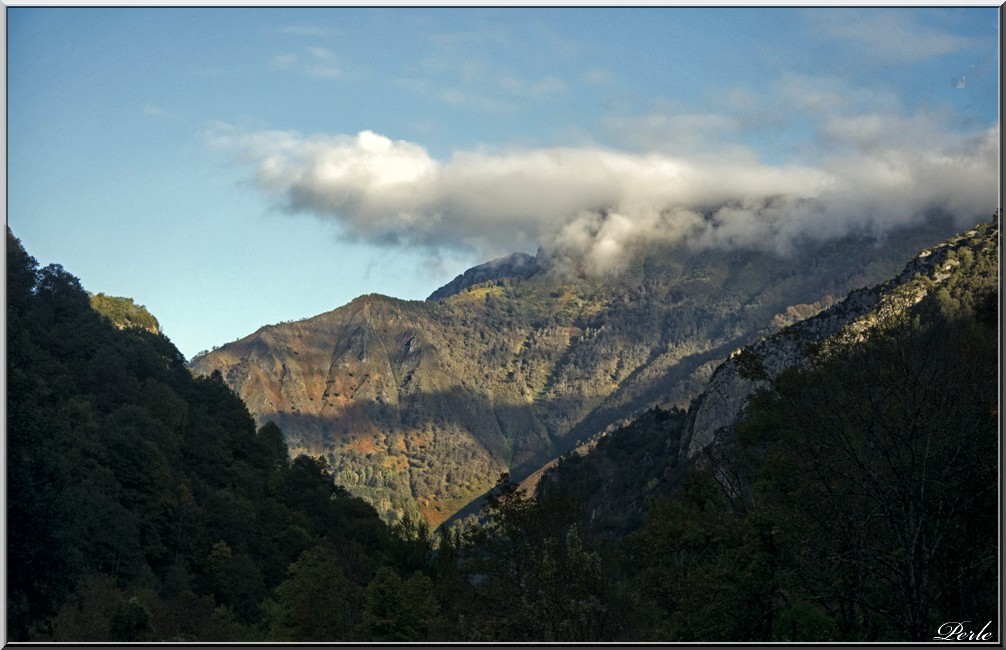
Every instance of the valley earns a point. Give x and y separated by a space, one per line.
503 325
168 515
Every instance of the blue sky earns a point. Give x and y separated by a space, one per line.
230 168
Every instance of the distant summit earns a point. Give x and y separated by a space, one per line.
417 406
516 265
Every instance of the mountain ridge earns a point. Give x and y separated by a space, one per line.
417 405
515 265
617 475
738 378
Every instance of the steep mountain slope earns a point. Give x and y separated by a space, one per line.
419 405
616 477
932 270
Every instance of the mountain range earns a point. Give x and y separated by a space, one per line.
417 406
835 479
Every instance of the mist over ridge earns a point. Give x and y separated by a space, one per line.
416 405
513 324
589 204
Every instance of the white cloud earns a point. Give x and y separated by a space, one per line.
314 61
887 35
867 132
682 133
822 94
589 205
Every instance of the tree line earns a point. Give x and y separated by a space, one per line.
857 502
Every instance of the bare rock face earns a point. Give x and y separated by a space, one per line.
722 404
735 381
418 405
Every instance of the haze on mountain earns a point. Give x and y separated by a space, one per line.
829 479
592 204
349 150
651 265
662 238
418 405
145 506
687 326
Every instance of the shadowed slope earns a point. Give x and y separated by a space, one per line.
419 405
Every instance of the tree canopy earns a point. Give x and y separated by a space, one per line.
856 502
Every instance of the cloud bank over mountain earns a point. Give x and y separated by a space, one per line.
876 171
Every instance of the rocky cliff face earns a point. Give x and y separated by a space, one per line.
736 380
419 405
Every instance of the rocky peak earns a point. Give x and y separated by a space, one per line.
516 265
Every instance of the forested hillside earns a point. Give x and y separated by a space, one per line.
855 500
143 505
968 257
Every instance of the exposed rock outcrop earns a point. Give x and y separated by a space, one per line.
733 383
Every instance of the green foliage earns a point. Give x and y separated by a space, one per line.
412 544
749 365
86 615
884 453
398 610
124 313
131 621
859 488
614 482
36 487
708 569
530 576
858 502
271 447
142 504
317 602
